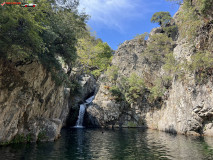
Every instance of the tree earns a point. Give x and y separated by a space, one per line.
158 47
43 33
162 18
93 54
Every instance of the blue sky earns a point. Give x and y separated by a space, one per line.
115 21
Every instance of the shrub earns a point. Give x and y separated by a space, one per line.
135 87
205 6
41 34
171 65
171 31
159 46
94 55
41 136
201 64
75 88
131 124
142 37
189 22
116 92
201 61
157 91
112 73
19 138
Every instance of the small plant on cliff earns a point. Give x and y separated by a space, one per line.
41 136
142 37
201 61
131 124
171 66
112 73
19 138
162 18
159 46
171 31
157 91
116 92
189 21
201 65
135 88
205 7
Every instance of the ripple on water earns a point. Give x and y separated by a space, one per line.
121 144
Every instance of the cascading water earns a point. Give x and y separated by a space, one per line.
81 116
79 123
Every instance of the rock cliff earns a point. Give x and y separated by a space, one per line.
31 104
186 105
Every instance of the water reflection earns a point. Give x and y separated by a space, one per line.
118 144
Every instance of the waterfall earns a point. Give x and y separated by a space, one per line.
81 116
89 100
79 123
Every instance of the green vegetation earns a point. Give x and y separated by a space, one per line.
19 138
201 64
142 37
189 22
40 34
205 6
201 61
193 20
193 17
135 87
160 45
171 31
116 93
171 64
162 18
112 73
52 35
131 124
129 89
41 136
157 91
94 55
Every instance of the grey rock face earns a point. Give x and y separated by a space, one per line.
30 103
187 109
88 84
105 111
156 30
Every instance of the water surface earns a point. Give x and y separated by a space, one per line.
118 144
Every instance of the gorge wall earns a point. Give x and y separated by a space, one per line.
186 105
31 104
33 107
